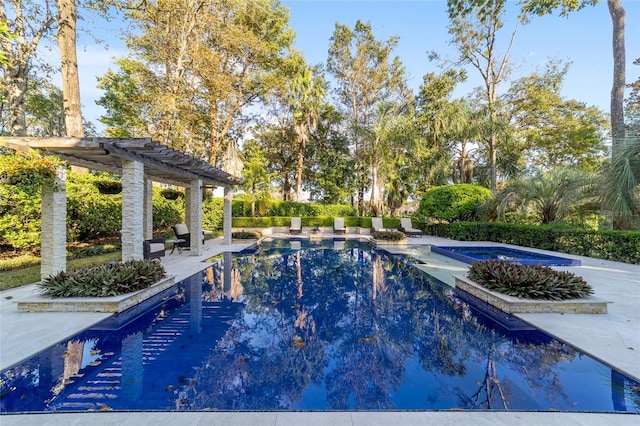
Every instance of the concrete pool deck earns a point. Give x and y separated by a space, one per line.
613 338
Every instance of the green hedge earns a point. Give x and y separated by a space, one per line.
349 221
621 246
267 208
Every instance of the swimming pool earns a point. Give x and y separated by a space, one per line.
470 254
314 326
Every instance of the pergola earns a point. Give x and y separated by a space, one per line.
140 162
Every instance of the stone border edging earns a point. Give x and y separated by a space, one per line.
514 305
114 304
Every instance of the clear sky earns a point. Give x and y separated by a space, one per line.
584 38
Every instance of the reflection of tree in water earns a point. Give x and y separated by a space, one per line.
311 317
515 374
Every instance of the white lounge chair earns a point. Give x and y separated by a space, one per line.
376 224
296 226
338 226
408 229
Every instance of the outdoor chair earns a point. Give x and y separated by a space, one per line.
408 229
338 226
296 226
182 233
153 248
376 224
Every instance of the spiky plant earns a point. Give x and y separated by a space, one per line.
104 281
620 179
528 281
549 196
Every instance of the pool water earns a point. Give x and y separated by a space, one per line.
326 326
470 254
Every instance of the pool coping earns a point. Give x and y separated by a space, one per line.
114 304
515 305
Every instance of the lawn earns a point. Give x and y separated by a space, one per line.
15 277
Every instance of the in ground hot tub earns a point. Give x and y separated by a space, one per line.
470 254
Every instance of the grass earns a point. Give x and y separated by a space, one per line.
30 274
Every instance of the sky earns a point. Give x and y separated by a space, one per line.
584 39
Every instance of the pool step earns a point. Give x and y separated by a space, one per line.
103 384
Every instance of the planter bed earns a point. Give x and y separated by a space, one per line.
514 305
112 304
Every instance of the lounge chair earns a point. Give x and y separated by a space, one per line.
153 248
182 233
408 229
296 226
376 224
338 226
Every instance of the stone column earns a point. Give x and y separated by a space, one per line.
148 209
187 207
226 216
132 209
53 245
195 216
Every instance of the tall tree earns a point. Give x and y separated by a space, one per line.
205 62
44 109
257 178
475 26
555 132
442 122
367 76
69 66
31 22
618 19
306 93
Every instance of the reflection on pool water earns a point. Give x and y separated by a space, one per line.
320 327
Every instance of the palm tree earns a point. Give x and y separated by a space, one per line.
620 186
305 99
550 196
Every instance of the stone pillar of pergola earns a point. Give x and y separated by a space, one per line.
53 245
148 209
132 209
187 206
226 215
194 210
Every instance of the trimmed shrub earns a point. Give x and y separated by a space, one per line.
528 281
452 202
621 246
246 235
389 235
105 280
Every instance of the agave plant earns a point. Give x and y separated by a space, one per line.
528 281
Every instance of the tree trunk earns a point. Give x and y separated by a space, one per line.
618 18
69 62
376 196
19 51
16 74
302 137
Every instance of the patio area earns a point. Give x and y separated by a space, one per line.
612 338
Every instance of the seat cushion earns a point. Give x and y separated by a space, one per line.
181 229
154 247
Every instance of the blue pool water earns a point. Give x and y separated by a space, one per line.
331 326
470 254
